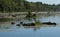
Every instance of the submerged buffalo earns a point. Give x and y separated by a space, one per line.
49 23
12 23
24 24
18 25
29 24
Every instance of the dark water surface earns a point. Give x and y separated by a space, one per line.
9 30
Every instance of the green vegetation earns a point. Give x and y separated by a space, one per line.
23 6
5 19
38 23
30 16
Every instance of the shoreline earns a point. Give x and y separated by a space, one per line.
27 12
23 14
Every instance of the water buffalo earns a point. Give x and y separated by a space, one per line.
18 25
21 22
12 23
49 23
29 24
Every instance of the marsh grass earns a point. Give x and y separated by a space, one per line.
38 23
5 19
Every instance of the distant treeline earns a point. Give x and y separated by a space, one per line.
23 6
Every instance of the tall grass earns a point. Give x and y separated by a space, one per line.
5 19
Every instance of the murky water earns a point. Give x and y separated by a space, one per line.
9 30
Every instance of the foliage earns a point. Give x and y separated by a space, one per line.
23 6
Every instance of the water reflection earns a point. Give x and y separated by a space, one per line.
8 27
41 18
32 31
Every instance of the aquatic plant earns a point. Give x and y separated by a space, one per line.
38 23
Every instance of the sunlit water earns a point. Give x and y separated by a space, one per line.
9 30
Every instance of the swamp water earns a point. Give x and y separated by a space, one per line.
9 30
